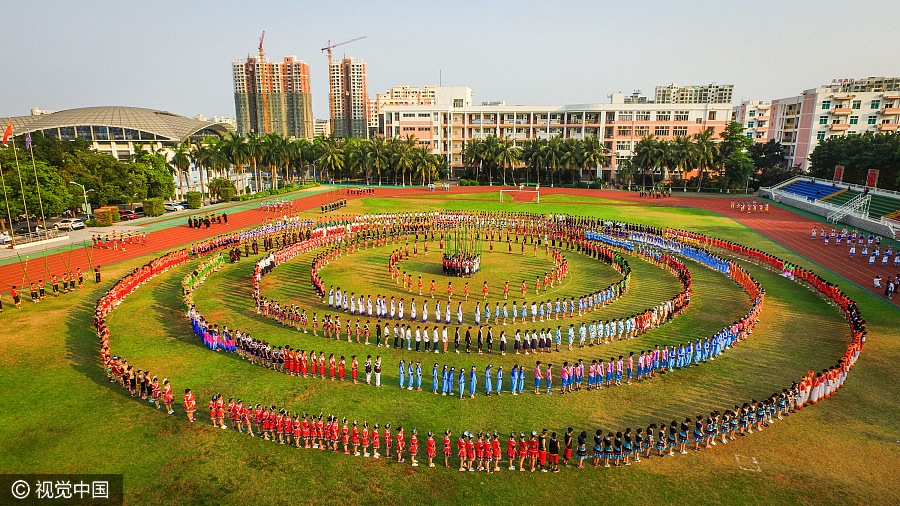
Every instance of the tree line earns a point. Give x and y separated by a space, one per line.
858 153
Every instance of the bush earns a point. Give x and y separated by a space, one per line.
153 207
468 182
106 216
194 199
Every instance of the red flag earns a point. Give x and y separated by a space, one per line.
7 132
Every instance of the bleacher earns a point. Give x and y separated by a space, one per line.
842 197
882 205
811 190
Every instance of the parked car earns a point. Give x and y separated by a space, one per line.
69 224
126 215
171 206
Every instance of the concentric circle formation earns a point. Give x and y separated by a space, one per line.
546 318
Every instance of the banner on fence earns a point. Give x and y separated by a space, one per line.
872 178
839 173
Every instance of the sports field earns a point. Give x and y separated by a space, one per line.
62 415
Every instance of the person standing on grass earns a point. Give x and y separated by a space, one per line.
168 395
190 404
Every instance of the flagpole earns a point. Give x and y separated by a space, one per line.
21 186
36 183
12 233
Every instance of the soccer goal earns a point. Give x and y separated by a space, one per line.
515 193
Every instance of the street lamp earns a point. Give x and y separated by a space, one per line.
87 208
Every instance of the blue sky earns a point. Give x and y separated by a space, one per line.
177 55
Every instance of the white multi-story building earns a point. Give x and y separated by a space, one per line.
755 117
322 127
702 94
447 126
845 106
412 95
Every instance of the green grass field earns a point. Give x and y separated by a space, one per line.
61 415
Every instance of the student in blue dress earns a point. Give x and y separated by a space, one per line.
462 382
496 314
524 311
698 351
434 379
689 353
444 382
499 384
451 375
514 379
402 373
411 372
487 379
521 380
473 383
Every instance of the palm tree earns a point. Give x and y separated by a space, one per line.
376 158
534 152
625 171
553 152
181 162
198 154
401 157
649 155
593 153
684 152
507 157
254 153
356 157
472 155
423 163
706 153
331 157
488 151
236 150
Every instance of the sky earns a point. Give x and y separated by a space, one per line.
177 55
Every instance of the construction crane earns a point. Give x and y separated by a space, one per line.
262 59
327 49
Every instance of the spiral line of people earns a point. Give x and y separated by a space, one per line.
539 451
296 362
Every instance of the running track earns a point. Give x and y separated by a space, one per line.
780 225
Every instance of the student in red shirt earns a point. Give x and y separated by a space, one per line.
523 451
511 451
495 449
354 438
447 448
401 444
414 447
429 449
479 451
168 395
470 452
376 442
461 450
190 404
